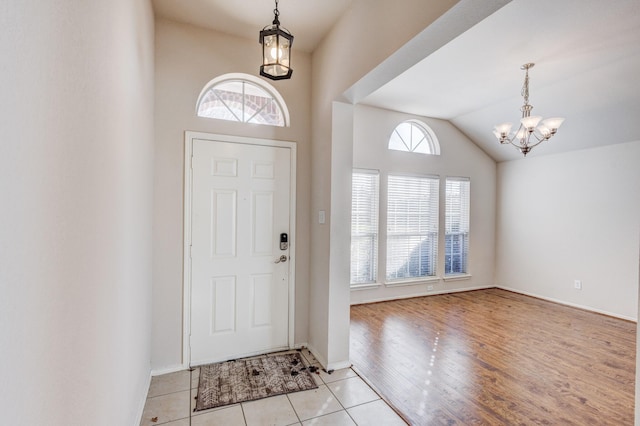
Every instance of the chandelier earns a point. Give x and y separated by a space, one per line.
276 50
533 129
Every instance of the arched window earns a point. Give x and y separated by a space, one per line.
414 136
243 98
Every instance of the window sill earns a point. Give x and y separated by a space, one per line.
457 277
367 286
412 282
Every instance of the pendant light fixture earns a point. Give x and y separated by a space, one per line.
276 50
533 130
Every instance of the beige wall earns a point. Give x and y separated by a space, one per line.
459 157
573 216
187 58
363 44
76 158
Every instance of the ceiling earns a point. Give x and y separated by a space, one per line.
587 55
307 20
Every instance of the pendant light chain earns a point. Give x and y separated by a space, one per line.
276 14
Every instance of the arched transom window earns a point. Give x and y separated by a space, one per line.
243 98
414 136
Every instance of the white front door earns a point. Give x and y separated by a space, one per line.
240 203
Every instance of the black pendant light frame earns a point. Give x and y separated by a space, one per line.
275 38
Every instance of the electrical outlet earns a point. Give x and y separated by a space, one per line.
429 287
577 284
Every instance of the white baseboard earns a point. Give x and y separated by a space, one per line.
170 369
317 355
326 365
143 400
422 294
338 365
573 305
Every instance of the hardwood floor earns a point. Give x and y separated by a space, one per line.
493 357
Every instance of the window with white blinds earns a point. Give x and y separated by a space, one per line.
412 227
456 225
364 226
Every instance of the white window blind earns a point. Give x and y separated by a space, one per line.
412 227
364 226
456 225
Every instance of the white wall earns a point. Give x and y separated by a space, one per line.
355 46
459 157
76 159
187 58
573 216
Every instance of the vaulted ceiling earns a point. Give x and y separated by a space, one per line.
587 55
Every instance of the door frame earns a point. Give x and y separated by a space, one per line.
188 188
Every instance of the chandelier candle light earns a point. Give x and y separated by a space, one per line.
533 129
276 50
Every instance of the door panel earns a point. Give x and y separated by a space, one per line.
223 216
223 293
262 221
262 289
240 206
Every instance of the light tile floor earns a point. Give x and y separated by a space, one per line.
342 398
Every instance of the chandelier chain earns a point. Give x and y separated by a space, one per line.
525 87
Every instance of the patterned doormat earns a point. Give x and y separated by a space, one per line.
243 380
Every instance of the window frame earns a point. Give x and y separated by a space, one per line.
430 138
246 79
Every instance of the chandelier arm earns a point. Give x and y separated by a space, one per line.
515 144
531 146
519 145
540 139
515 136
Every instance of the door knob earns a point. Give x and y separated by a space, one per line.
282 258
